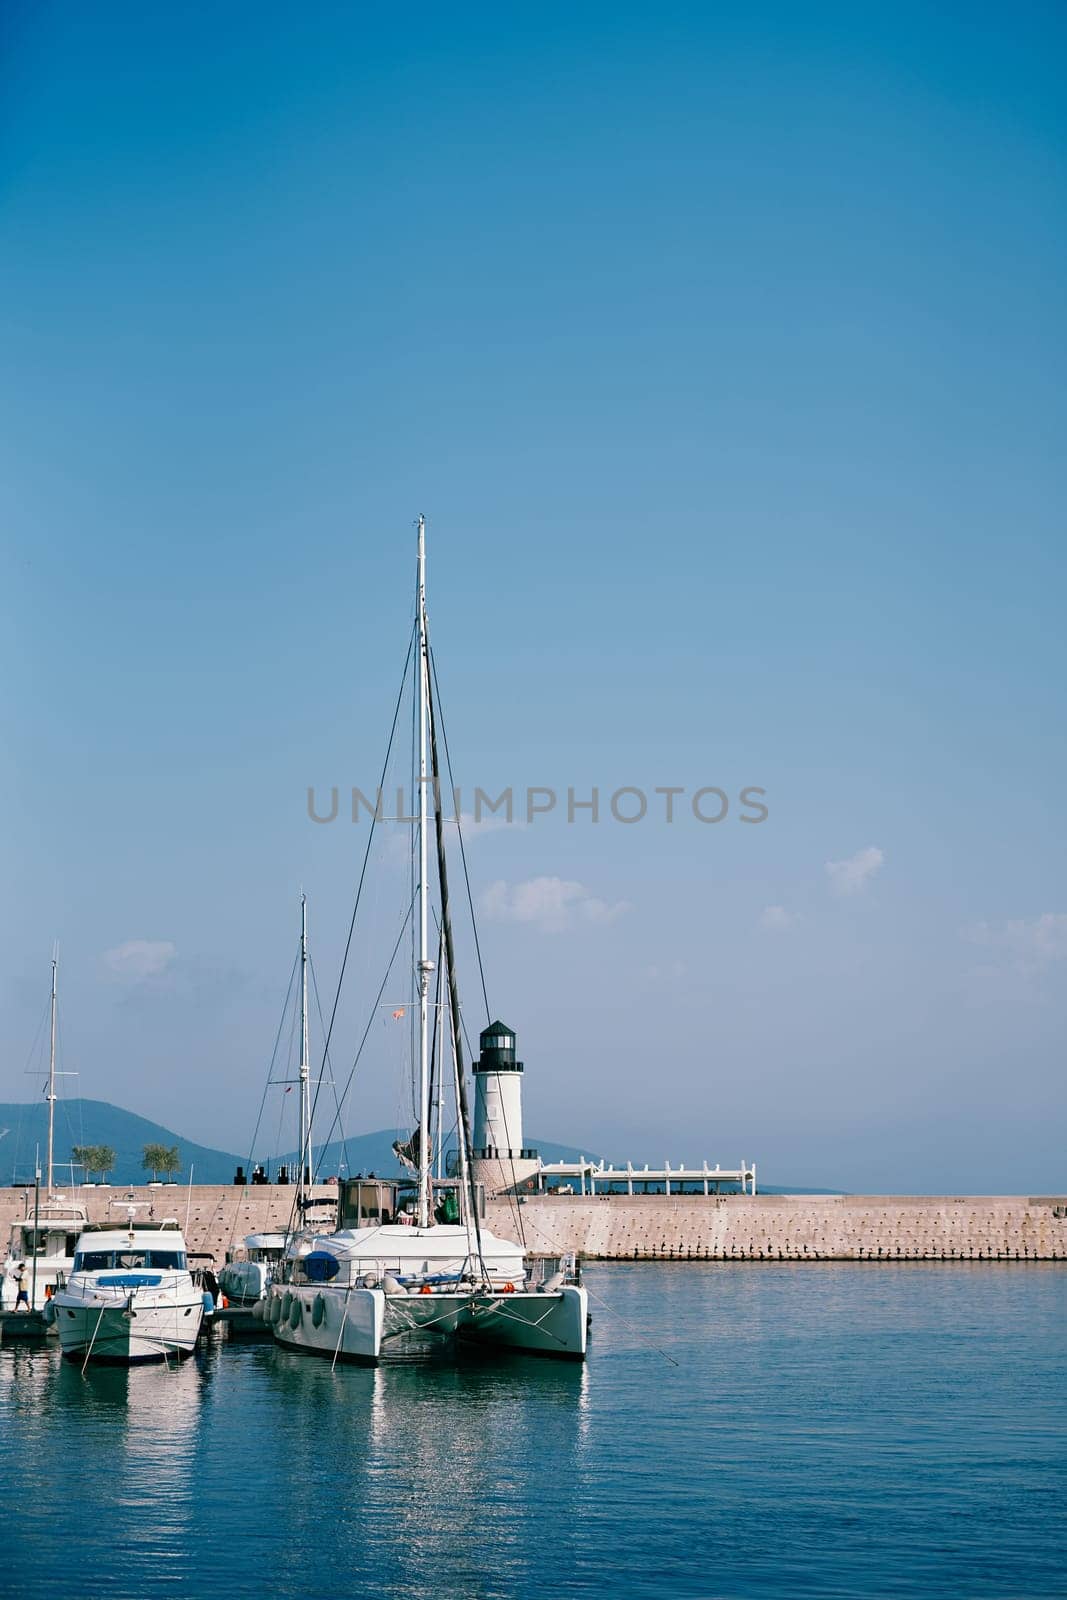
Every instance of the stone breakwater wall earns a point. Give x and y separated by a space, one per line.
219 1215
653 1228
793 1227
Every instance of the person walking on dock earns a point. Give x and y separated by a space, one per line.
23 1297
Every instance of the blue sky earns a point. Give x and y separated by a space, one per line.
723 350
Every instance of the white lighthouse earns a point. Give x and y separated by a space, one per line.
501 1157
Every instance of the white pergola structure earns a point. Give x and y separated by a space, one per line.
590 1174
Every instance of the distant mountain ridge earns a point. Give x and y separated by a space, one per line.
99 1122
25 1127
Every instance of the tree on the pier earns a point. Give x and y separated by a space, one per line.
152 1159
97 1159
171 1160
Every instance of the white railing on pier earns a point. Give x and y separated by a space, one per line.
598 1178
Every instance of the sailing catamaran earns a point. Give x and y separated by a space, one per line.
371 1291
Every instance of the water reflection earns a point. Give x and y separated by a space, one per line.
135 1431
433 1462
826 1431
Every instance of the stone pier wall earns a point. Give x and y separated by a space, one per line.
793 1227
219 1215
651 1227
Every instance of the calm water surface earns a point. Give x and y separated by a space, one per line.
827 1430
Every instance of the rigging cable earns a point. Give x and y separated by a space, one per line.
333 1085
267 1085
477 944
32 1072
450 954
370 1023
459 832
359 894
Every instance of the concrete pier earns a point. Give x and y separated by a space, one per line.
869 1228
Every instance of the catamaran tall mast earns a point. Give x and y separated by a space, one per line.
425 965
305 1097
52 1074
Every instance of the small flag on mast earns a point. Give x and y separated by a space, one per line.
398 1013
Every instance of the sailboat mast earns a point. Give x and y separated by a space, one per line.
455 1018
52 1075
437 1046
305 1098
425 964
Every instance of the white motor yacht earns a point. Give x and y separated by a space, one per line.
130 1296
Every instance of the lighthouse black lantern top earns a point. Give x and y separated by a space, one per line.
497 1046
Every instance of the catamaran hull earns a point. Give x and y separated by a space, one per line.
112 1333
539 1324
369 1326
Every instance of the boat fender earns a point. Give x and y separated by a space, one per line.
295 1313
287 1304
390 1284
509 1288
208 1302
48 1312
370 1281
318 1311
274 1311
258 1310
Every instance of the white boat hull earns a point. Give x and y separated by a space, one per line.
108 1332
369 1325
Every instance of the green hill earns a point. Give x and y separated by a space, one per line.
97 1122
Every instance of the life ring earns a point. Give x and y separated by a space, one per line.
295 1313
318 1311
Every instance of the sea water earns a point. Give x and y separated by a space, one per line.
740 1429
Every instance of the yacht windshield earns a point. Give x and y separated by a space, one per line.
104 1260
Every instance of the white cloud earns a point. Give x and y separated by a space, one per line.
550 904
1027 946
776 919
852 875
140 958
